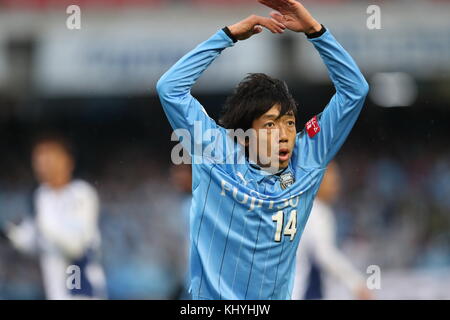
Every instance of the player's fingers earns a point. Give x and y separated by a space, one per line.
268 23
285 3
269 4
276 4
271 24
277 23
277 16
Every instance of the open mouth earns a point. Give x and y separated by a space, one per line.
283 154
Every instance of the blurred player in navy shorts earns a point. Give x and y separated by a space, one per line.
63 228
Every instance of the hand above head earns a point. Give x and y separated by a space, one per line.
253 25
293 15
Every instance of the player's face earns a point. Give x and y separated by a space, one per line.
52 164
275 138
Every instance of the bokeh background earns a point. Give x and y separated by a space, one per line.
96 85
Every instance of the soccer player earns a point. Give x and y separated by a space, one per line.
317 253
246 220
63 230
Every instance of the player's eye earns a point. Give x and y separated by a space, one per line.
269 125
291 123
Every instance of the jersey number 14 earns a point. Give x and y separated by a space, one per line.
291 227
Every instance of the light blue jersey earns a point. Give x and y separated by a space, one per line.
245 225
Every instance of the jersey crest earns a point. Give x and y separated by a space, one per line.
286 180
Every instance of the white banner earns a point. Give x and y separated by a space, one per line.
128 56
414 38
126 52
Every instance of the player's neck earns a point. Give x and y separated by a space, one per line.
268 170
59 184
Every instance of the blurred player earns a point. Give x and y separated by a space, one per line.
247 217
64 228
317 250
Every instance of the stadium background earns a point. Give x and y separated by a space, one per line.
97 86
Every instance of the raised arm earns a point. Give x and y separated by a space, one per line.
174 87
327 132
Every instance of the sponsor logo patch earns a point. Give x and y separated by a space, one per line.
312 127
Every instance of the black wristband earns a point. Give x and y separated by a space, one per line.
228 32
316 34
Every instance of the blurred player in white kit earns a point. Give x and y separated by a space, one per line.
318 248
63 229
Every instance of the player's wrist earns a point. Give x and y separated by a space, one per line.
316 31
229 34
314 28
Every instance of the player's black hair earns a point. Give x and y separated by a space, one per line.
254 96
54 137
